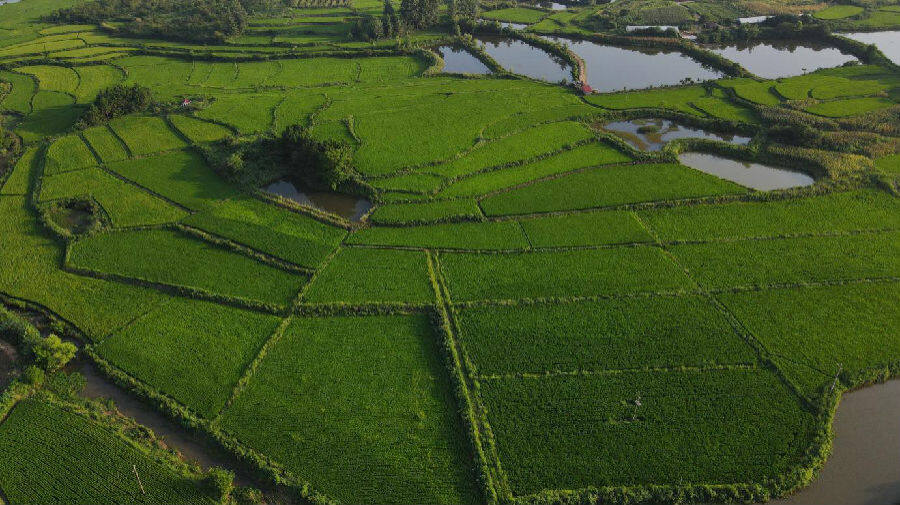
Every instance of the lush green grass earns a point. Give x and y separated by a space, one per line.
850 107
425 211
288 235
585 229
752 90
145 135
794 260
838 12
889 164
191 350
678 99
718 106
198 131
608 186
248 113
169 257
506 235
627 333
125 204
53 78
372 275
18 182
52 114
362 408
93 79
296 108
836 212
63 457
68 153
515 15
181 176
409 182
105 144
19 98
827 329
580 157
690 427
560 274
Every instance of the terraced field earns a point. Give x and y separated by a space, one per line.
533 311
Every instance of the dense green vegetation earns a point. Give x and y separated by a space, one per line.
528 310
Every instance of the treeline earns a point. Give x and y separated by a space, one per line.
413 15
784 27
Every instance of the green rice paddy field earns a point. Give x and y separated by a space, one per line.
532 312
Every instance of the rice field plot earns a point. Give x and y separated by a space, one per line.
52 114
850 107
64 457
41 45
839 82
364 275
193 351
19 181
524 119
297 108
489 235
146 135
424 212
516 147
248 113
889 164
824 330
167 77
67 154
362 409
181 176
608 186
585 229
93 79
561 274
838 12
677 99
615 334
53 78
421 183
105 144
291 236
644 427
792 260
752 90
515 15
199 131
836 212
19 98
125 204
719 107
171 258
589 155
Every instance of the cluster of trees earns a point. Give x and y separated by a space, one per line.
116 101
413 15
10 145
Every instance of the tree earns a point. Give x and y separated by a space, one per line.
389 20
51 353
116 101
316 163
467 9
367 28
419 13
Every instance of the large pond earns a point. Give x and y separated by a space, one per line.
745 173
611 68
347 206
460 61
864 467
653 134
521 58
772 60
887 42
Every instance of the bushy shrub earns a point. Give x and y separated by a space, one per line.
316 163
51 353
244 495
65 385
16 330
34 376
116 101
219 483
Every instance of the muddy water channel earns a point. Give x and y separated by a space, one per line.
887 42
349 207
864 467
653 134
772 60
745 173
611 68
521 58
460 61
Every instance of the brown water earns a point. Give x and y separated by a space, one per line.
887 42
772 60
653 134
747 174
460 61
864 467
347 206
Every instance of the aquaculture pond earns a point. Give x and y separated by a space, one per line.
514 26
772 60
654 134
753 19
347 206
460 61
521 58
887 42
751 175
863 468
611 68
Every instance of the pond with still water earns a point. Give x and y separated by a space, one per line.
887 42
653 134
772 60
521 58
745 173
460 61
349 207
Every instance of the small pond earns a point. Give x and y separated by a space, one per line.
514 26
460 61
747 174
887 42
772 60
752 20
653 134
521 58
864 466
638 28
2 2
611 68
347 206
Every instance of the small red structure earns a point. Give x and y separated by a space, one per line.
587 90
186 102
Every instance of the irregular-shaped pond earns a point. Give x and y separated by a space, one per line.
347 206
772 60
611 68
745 173
887 42
521 58
653 134
460 61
